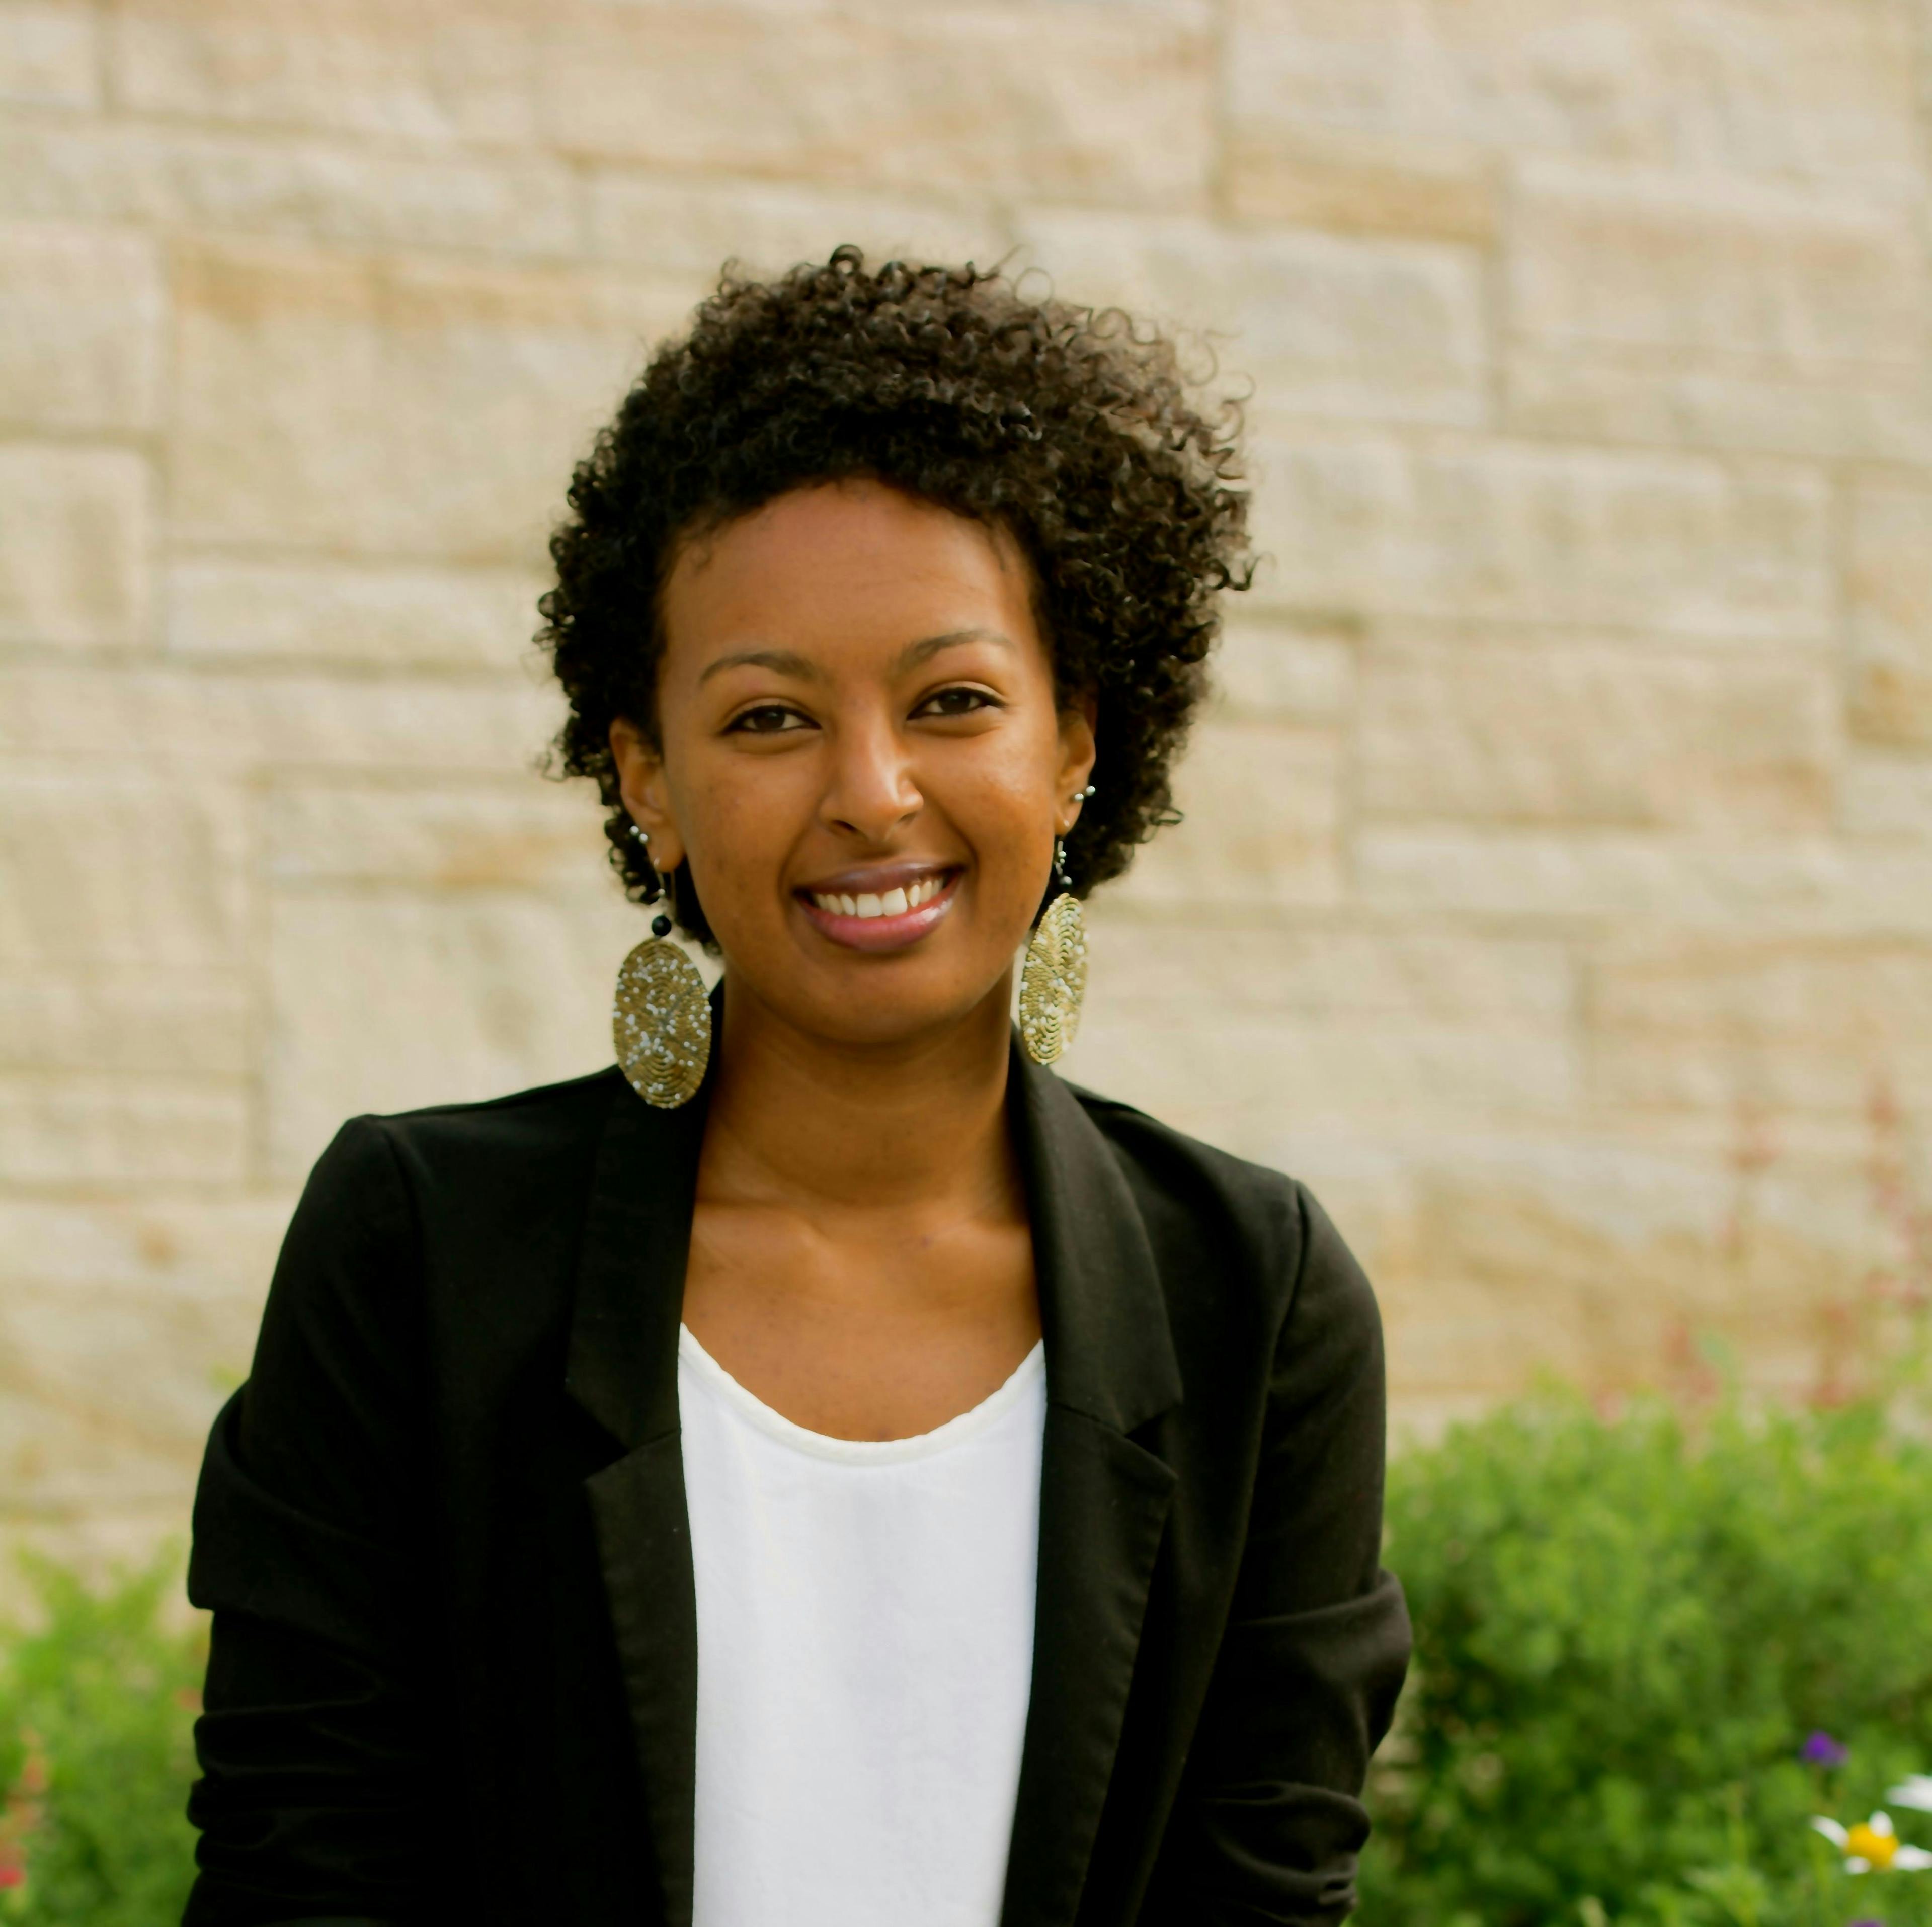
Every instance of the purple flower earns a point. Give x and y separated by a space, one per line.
1820 1749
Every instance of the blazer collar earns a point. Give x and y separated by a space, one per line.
1109 1352
1110 1369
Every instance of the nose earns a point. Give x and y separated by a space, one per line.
871 792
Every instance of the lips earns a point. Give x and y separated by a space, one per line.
884 907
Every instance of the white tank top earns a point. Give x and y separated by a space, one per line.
865 1656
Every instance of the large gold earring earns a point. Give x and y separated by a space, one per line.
661 1019
1054 979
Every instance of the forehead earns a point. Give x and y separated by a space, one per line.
845 561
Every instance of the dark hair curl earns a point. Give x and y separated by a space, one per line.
1071 428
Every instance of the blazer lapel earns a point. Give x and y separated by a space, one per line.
1110 1368
623 1371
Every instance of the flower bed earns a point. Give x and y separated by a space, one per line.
1669 1670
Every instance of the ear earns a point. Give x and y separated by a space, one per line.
640 781
1077 752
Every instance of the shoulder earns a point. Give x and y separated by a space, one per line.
1168 1160
459 1177
499 1153
1238 1231
561 1117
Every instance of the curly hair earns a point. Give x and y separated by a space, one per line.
1071 429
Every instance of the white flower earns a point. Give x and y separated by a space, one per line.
1916 1791
1874 1844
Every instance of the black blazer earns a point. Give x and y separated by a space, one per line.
442 1530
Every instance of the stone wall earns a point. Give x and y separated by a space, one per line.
1556 891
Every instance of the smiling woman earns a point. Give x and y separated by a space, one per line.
827 1469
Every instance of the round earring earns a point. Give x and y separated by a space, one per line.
661 1021
1053 980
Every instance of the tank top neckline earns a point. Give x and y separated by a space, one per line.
954 1432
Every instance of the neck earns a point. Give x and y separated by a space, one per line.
803 1121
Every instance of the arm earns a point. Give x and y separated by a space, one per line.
308 1524
1270 1822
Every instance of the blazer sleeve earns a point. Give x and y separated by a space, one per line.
310 1521
1317 1644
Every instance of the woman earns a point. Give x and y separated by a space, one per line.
826 1468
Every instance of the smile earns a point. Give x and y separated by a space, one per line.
891 903
886 918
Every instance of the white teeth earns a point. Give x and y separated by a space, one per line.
891 903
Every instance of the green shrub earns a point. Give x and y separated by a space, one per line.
1625 1630
97 1713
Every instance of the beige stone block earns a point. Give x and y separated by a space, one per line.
120 1130
81 315
1281 672
1885 794
393 407
384 1000
1745 314
1303 174
1619 395
135 1374
1889 589
1486 1340
1087 103
683 225
73 565
50 55
137 1018
130 869
233 723
1820 88
428 70
1758 1028
1367 329
305 188
459 835
1497 1256
1249 1035
1078 103
128 1320
340 612
199 1247
1237 1079
1322 967
1643 259
1466 729
67 1466
1263 810
1794 885
1682 546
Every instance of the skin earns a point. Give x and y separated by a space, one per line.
854 688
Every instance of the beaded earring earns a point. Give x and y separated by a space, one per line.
1053 980
660 1021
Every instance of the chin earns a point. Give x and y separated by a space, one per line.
879 1007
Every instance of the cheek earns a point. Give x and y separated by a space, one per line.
1004 807
737 824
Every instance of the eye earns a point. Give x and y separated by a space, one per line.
768 719
959 700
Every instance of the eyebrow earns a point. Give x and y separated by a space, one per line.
789 662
